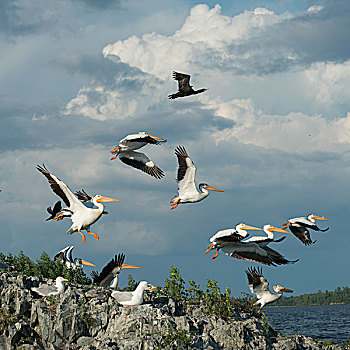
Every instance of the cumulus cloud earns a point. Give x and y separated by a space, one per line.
205 31
295 132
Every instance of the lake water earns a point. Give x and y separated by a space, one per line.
328 322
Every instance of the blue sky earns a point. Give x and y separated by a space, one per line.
273 131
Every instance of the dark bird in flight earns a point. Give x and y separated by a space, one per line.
185 89
54 211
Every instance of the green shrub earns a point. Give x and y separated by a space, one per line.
44 267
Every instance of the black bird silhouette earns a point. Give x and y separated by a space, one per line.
54 211
185 89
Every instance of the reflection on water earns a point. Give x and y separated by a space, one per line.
328 322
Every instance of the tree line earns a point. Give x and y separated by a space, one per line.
340 295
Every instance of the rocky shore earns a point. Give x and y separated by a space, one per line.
87 318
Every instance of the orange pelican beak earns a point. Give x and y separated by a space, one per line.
286 290
125 266
65 280
107 199
320 218
151 287
84 262
276 229
155 137
246 227
209 249
211 188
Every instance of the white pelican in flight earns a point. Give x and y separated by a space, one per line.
48 290
65 255
138 160
111 272
128 299
254 249
299 227
186 174
82 217
260 287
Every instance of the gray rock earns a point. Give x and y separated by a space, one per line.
89 319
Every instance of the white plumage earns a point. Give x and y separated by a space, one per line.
133 298
186 174
259 286
47 290
82 217
138 160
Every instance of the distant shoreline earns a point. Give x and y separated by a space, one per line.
332 304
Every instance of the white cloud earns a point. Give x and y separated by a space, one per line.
330 81
292 132
205 29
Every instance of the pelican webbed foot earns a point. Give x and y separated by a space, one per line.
94 234
175 204
215 255
82 236
58 217
209 249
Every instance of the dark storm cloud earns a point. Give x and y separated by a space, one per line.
99 68
101 4
12 24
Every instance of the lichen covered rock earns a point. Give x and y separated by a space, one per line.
88 318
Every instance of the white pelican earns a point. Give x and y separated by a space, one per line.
259 286
127 154
134 298
228 237
230 241
48 290
111 271
65 255
186 174
82 217
298 226
263 241
185 89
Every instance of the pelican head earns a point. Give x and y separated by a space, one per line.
271 228
279 288
100 199
208 187
313 217
151 287
143 285
60 279
153 137
243 228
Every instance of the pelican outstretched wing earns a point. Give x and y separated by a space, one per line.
257 283
109 272
61 189
140 161
186 172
